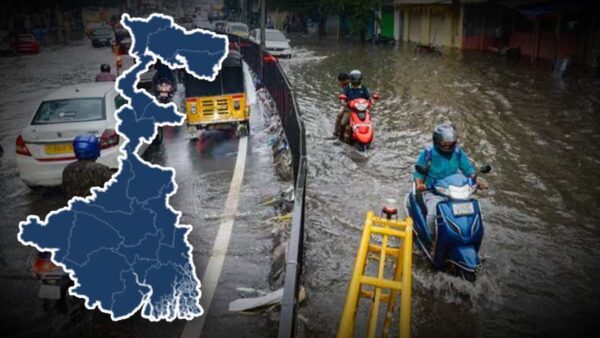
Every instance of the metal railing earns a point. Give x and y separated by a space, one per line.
273 78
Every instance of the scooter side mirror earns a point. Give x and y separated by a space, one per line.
376 96
421 169
485 169
343 97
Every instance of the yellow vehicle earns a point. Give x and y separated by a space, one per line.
221 103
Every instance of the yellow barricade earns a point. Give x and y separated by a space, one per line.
399 286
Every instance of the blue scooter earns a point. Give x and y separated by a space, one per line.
459 224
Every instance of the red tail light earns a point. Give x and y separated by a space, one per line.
22 147
109 138
43 265
269 58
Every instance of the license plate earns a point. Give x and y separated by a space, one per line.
49 291
460 209
62 148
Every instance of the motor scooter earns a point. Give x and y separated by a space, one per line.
455 245
359 130
54 283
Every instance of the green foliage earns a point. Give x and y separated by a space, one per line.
359 11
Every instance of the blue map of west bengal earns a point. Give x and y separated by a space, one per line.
123 246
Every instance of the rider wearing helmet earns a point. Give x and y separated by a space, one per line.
445 158
80 176
105 75
353 90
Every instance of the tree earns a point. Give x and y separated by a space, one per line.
360 11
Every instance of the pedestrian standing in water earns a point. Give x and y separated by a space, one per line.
85 173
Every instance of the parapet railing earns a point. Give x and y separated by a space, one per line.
275 81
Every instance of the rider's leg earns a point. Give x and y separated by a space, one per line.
343 123
338 120
431 200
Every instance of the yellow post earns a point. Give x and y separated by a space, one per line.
400 284
406 280
346 328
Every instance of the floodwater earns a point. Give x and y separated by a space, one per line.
541 135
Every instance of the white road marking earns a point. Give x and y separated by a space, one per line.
210 279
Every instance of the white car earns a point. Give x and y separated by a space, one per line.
203 24
238 28
275 42
45 146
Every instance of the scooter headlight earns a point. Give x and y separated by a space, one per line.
459 193
361 106
441 190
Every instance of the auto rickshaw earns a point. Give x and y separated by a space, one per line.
218 104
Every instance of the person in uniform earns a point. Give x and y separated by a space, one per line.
80 176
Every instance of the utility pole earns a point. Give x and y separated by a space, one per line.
263 14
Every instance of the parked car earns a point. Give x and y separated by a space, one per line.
26 43
239 29
45 146
275 42
103 37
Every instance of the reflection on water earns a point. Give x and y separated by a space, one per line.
541 137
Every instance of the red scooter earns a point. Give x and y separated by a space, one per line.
359 130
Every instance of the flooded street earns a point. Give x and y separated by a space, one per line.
539 134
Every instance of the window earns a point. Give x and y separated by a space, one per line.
70 110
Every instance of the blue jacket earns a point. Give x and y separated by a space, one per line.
357 92
441 166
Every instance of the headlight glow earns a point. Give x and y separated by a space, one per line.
361 106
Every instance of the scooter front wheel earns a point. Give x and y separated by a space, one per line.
470 276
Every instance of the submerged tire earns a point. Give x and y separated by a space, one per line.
243 129
468 275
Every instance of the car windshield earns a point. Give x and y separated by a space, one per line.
103 31
69 110
275 36
238 28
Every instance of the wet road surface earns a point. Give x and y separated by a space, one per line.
541 137
203 172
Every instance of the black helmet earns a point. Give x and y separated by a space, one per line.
355 76
445 133
105 68
342 77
